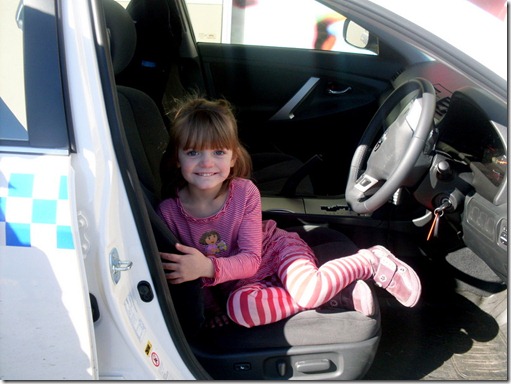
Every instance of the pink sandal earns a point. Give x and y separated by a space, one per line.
396 277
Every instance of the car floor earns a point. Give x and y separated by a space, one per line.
457 331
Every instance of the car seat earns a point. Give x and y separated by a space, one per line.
156 69
314 344
156 57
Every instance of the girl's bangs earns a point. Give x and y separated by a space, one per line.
208 136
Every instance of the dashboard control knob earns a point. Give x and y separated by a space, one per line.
443 170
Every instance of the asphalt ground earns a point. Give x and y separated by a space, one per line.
458 330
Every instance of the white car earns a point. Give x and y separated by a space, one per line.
369 122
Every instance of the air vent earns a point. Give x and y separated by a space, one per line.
396 75
441 108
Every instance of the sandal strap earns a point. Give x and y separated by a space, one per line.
385 272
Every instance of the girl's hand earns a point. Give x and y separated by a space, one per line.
189 266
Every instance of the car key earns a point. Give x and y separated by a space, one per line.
439 212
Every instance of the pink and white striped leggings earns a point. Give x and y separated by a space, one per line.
300 285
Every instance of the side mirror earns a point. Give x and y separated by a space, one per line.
359 37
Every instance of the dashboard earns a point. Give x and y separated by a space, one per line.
474 130
472 148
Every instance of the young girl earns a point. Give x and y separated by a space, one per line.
266 273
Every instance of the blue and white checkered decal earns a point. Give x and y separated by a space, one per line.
34 211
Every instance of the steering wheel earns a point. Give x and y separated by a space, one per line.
379 169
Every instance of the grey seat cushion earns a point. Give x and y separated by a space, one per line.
311 327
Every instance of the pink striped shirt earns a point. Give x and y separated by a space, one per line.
232 237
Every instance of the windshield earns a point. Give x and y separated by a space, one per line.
472 26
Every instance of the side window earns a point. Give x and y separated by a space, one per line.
280 23
13 118
32 109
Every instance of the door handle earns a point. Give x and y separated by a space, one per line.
333 91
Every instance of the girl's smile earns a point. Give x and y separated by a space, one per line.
205 169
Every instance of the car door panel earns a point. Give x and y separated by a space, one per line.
261 79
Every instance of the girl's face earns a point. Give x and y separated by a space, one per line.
205 169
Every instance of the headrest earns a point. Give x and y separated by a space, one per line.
122 34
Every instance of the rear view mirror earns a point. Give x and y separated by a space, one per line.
359 37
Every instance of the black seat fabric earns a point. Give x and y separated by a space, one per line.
345 338
156 56
144 130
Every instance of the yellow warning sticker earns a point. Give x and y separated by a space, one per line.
148 348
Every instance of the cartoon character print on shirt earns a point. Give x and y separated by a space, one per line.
212 242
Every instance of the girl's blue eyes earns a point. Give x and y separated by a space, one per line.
218 152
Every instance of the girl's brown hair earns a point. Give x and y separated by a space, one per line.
200 124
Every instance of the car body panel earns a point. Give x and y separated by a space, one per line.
38 237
